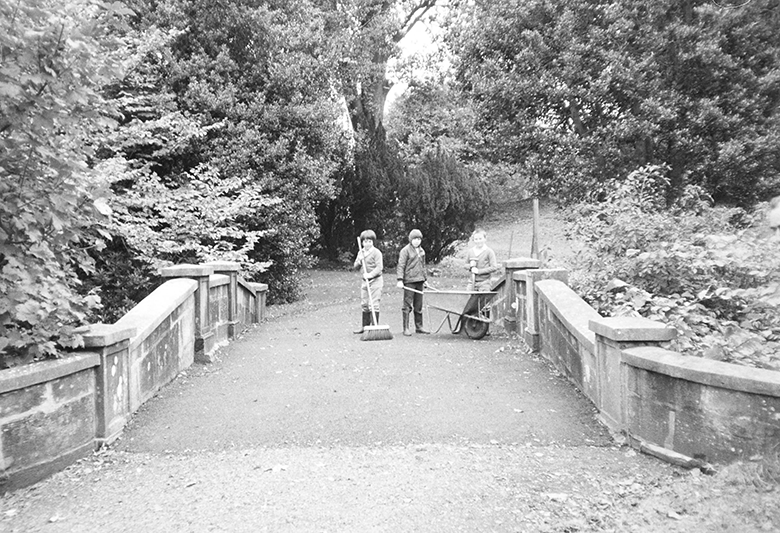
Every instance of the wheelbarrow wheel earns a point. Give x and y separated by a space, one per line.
475 329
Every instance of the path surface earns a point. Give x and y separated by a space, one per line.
301 427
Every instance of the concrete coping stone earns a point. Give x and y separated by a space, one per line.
22 376
632 329
100 335
247 285
223 266
258 287
152 310
186 271
704 371
570 308
217 280
561 274
522 262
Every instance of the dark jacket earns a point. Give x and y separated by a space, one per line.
411 264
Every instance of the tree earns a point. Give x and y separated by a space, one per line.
368 33
445 191
230 139
580 93
54 58
443 198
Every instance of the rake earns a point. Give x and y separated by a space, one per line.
374 332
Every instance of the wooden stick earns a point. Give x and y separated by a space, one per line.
535 237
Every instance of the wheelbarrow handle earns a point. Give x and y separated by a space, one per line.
412 290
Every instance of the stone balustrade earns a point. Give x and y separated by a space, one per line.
54 412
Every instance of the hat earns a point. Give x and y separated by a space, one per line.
415 234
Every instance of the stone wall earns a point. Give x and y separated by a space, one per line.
561 324
683 409
708 410
54 412
47 416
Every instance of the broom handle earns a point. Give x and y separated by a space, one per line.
368 283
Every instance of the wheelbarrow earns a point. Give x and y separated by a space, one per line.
469 309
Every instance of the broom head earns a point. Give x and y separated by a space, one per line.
376 333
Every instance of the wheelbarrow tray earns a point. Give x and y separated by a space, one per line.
462 303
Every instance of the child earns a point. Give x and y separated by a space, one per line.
482 262
372 278
411 274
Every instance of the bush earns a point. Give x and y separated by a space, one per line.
443 199
710 272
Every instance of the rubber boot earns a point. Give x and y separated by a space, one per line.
407 329
418 324
365 322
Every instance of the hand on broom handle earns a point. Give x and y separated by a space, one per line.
368 283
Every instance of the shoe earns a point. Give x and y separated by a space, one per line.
418 324
366 322
407 329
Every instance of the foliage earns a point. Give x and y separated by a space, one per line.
54 57
432 114
121 279
712 273
229 138
196 222
366 198
365 34
577 92
442 198
445 192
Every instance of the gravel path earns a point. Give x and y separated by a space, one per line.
301 427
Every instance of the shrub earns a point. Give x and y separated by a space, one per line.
709 272
443 199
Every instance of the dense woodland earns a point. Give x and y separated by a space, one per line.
139 134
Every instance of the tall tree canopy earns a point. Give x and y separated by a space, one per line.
368 35
229 135
578 92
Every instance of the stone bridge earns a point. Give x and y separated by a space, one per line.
439 388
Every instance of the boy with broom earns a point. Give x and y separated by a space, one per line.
370 260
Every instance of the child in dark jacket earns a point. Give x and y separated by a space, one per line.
411 275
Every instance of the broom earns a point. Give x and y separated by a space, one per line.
374 332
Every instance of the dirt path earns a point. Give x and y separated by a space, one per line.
300 426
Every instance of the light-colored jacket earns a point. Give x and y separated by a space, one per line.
374 264
485 261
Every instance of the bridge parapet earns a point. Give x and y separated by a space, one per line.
54 412
685 410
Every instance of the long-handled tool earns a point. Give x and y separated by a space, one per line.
374 332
